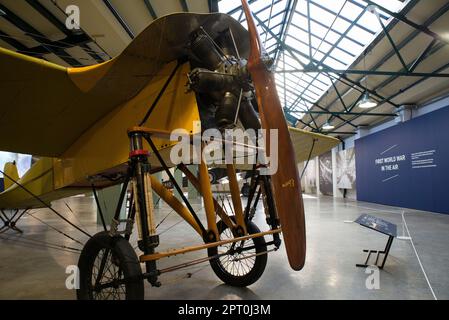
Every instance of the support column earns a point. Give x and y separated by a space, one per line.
336 191
362 132
317 175
405 113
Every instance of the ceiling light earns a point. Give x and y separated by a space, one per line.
328 126
366 102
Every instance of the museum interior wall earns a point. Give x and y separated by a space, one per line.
406 165
402 162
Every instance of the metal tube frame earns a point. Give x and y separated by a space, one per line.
139 173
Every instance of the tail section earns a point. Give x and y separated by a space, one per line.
10 170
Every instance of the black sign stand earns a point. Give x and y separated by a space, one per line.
383 227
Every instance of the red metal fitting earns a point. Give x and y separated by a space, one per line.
137 153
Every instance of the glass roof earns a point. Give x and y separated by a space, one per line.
340 30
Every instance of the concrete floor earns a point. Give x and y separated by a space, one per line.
334 247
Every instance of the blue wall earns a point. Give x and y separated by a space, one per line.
407 165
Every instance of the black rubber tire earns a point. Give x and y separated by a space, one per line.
213 177
257 269
125 259
246 189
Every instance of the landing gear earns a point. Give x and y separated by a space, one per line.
109 267
104 264
242 263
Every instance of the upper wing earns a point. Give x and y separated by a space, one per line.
45 107
305 143
309 145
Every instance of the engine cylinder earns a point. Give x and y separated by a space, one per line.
225 114
205 50
248 116
205 81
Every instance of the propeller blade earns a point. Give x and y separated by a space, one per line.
285 182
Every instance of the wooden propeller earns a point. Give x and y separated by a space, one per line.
285 182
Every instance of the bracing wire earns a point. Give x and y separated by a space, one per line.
45 204
54 228
39 243
165 218
269 22
308 158
74 215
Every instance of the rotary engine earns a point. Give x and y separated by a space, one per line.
221 80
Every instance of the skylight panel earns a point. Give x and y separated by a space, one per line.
313 95
370 21
321 85
236 15
293 81
259 5
392 5
315 27
321 15
300 46
308 77
307 95
358 33
318 43
339 55
287 94
274 29
264 15
276 19
300 109
351 11
265 9
292 62
350 46
333 5
312 85
228 5
341 25
302 85
352 29
299 21
293 88
302 38
302 105
323 78
271 41
334 64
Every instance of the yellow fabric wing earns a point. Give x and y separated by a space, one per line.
44 108
308 143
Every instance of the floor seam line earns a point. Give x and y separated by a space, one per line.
419 260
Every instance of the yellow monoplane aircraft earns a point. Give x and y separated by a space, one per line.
92 126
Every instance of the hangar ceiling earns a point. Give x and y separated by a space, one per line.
326 53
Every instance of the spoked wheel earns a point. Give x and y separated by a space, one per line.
109 270
239 267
